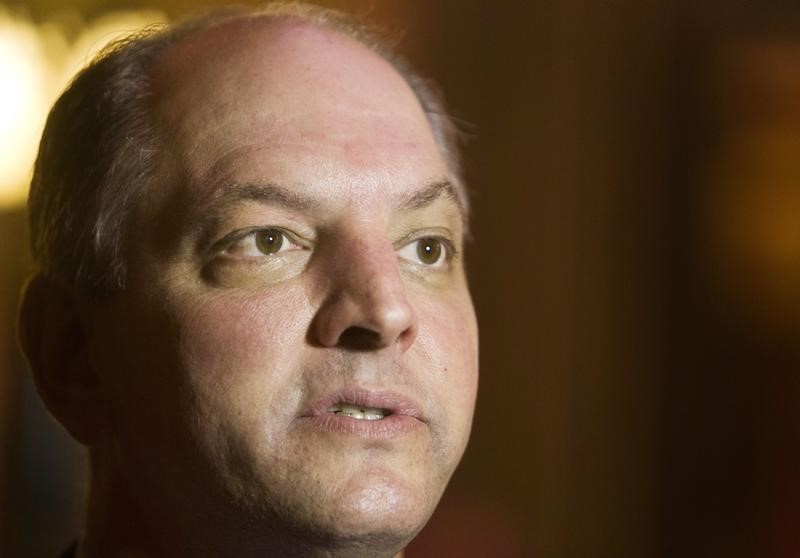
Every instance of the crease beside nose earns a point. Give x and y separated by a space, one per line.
367 307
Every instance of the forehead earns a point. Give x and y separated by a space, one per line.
256 90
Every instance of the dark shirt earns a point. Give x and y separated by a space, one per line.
70 552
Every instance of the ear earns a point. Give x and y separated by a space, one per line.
55 339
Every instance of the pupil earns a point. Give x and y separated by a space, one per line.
269 241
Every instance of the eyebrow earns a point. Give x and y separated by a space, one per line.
229 194
234 192
428 194
273 194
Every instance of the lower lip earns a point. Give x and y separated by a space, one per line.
388 427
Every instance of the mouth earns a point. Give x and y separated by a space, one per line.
366 404
365 413
359 412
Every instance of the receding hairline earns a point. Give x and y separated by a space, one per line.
219 30
281 14
270 27
265 34
291 19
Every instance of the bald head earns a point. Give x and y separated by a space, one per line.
265 85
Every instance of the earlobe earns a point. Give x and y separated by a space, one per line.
55 340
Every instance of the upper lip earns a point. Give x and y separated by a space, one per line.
392 402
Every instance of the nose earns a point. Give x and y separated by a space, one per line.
365 306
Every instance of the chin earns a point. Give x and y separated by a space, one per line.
374 516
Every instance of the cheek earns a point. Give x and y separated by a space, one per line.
238 355
228 336
448 339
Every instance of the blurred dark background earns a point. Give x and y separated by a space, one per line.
635 267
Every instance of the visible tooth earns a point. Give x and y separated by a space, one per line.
359 413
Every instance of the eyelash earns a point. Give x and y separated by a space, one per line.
450 252
236 237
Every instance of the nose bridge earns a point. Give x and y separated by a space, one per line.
371 267
366 299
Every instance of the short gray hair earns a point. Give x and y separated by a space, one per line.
99 147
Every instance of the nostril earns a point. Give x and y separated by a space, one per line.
362 313
360 339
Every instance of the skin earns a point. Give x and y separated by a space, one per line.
208 363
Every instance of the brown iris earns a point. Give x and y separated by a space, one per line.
429 250
269 241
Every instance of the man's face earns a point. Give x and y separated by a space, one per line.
297 343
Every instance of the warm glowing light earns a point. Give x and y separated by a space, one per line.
23 104
101 32
36 63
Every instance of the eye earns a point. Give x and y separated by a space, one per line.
269 241
428 251
260 242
